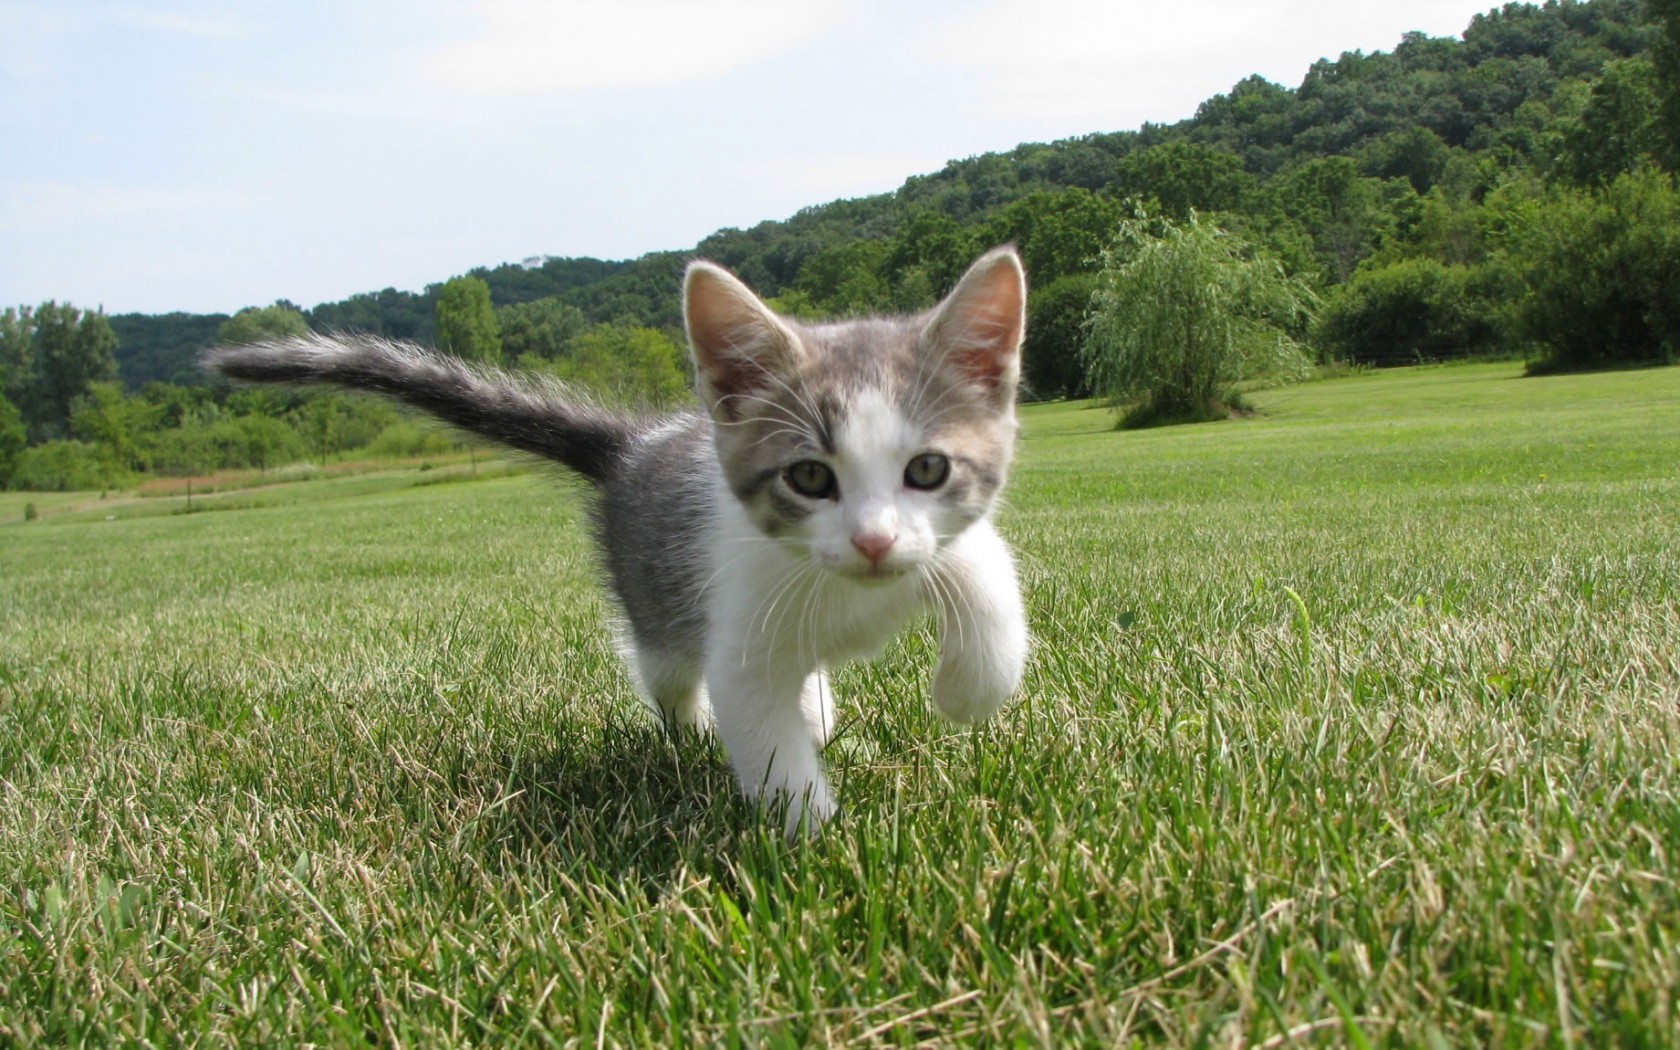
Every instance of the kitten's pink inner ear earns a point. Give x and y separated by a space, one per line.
982 323
735 338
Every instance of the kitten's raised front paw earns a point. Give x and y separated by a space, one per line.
968 690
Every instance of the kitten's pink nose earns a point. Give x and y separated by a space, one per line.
873 545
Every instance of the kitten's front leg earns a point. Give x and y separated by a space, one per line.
983 646
759 713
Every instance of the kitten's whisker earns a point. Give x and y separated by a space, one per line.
950 609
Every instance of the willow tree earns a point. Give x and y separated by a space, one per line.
1183 311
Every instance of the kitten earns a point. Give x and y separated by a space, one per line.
840 481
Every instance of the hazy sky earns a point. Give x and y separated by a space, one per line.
179 155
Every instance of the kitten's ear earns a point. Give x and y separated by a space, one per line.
738 342
977 330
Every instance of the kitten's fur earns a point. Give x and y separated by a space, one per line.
841 481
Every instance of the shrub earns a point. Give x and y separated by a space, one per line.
1602 269
62 466
407 438
1409 311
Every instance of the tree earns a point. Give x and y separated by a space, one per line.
1601 268
466 322
543 329
72 349
625 364
1665 61
929 254
321 416
17 354
1347 213
1184 177
1050 361
255 324
1056 234
1409 311
261 439
847 278
13 438
104 417
1415 154
1619 129
1182 311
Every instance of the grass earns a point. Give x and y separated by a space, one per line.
1355 723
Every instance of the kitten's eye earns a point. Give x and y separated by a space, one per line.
927 471
811 479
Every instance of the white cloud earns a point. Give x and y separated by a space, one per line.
528 47
1124 64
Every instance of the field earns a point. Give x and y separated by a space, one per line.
1354 723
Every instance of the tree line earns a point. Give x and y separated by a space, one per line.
1509 192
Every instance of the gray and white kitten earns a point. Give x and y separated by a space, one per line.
840 481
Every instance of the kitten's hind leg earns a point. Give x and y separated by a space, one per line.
672 682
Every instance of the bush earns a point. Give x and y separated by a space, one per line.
1410 311
406 439
1602 269
62 466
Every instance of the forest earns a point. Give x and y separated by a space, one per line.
1507 193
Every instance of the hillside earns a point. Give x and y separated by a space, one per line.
1326 175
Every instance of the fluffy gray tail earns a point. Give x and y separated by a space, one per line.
524 413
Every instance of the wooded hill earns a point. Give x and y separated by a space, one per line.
1373 158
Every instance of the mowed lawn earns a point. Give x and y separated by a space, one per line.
1354 723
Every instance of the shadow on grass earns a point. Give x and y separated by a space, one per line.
626 799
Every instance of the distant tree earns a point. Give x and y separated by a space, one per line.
925 259
847 279
1347 214
1620 129
1415 154
118 424
257 323
14 436
17 354
1410 311
320 423
466 322
1182 311
1050 357
544 328
1183 177
72 349
262 439
1602 267
624 364
1665 62
1057 234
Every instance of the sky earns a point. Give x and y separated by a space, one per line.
167 155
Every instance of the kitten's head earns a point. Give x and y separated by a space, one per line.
866 444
